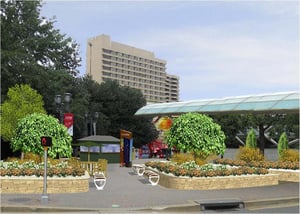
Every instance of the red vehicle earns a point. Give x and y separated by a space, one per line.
158 148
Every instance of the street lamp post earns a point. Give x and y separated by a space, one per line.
63 105
91 122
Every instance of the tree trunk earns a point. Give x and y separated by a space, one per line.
261 138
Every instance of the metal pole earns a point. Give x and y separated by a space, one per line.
45 196
91 126
94 126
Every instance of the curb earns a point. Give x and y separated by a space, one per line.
270 202
192 206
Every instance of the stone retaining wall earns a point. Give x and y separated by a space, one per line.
32 184
226 182
286 175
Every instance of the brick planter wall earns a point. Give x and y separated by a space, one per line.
33 184
226 182
286 175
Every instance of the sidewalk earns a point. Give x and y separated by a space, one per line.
125 191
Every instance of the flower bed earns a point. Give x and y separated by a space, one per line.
34 184
217 182
30 168
260 164
287 171
28 178
190 169
189 176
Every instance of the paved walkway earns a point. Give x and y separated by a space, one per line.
125 191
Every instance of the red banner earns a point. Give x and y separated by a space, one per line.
68 122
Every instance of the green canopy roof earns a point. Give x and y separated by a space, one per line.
95 140
283 102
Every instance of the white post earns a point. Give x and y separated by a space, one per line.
45 196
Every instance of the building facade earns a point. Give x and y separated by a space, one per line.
130 66
172 88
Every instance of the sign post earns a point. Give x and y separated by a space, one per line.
46 142
126 143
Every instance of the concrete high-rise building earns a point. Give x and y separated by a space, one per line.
130 66
172 88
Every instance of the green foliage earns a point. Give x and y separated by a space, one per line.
181 158
192 170
196 133
118 105
251 141
30 168
282 144
30 130
231 124
249 154
289 155
21 100
265 121
294 165
31 47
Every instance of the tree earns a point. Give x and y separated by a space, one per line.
197 133
118 105
265 122
21 100
30 130
282 144
31 47
251 141
231 124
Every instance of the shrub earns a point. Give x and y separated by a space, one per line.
34 157
249 154
261 164
251 140
282 144
13 159
181 158
289 155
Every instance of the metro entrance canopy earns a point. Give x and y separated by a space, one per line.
284 102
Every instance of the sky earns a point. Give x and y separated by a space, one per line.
217 48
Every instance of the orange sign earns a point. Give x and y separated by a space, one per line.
125 134
162 123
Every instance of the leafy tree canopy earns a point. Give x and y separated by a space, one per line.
231 124
30 130
197 133
30 46
21 100
118 104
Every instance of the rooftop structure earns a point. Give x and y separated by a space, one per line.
275 102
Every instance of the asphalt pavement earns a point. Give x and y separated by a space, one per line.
126 192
